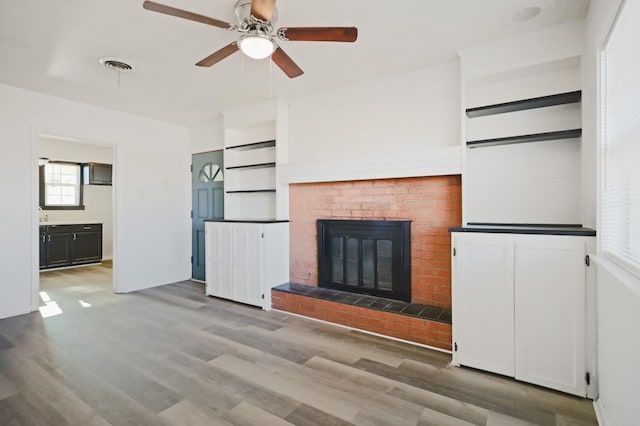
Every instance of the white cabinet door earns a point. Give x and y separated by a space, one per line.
483 323
247 260
218 255
550 311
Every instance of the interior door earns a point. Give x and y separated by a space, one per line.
207 179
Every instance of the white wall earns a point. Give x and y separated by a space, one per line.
378 128
618 346
97 199
618 292
152 239
207 136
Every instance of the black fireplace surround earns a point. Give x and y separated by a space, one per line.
366 256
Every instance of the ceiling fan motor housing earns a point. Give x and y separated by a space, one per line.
245 20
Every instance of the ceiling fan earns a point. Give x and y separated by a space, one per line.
258 39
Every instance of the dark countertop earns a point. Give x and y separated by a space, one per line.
247 220
523 228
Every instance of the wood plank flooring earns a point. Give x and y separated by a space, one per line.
172 356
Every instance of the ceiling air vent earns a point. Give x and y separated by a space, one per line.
116 64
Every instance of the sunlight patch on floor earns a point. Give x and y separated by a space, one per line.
50 309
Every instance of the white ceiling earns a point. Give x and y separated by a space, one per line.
54 47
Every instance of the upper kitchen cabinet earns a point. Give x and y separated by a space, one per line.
255 140
97 174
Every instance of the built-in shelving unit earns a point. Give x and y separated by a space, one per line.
253 166
522 138
531 103
536 137
523 105
251 191
255 144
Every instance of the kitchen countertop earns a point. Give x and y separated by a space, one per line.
70 222
247 220
536 229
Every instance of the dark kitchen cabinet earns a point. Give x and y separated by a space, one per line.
97 174
86 243
67 245
58 245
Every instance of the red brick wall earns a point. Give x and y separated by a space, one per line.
433 204
400 326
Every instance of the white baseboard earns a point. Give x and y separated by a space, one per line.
15 312
600 414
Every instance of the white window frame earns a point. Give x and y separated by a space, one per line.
625 256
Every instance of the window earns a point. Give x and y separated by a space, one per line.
620 142
60 186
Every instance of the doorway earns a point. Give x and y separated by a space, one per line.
75 217
207 177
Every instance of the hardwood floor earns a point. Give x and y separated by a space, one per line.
172 356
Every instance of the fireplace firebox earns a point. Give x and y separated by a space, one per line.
366 256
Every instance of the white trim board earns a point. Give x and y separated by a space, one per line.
438 162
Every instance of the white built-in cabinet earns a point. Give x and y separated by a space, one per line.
520 307
246 259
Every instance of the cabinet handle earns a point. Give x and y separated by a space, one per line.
48 237
43 238
74 235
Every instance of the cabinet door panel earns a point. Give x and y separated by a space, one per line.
550 312
247 260
86 247
218 255
483 318
59 249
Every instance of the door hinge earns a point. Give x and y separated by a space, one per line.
587 261
191 259
455 347
262 235
587 378
191 214
263 296
454 251
191 168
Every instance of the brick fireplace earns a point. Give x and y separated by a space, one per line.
432 204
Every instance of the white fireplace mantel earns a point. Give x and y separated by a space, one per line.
436 162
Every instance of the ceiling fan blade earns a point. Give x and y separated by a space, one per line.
216 57
343 34
286 64
263 9
168 10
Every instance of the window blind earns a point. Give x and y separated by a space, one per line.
620 167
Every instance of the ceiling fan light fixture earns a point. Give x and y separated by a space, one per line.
257 46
